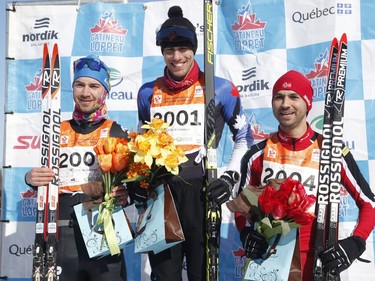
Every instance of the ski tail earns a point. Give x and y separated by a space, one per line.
53 190
213 210
328 196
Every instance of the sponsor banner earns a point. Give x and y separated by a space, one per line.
37 26
300 18
367 71
109 30
23 139
244 27
17 249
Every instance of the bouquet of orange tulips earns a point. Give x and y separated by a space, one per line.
114 157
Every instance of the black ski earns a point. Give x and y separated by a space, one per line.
337 146
329 184
325 162
45 245
213 210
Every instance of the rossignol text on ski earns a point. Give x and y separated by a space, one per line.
329 182
46 236
213 210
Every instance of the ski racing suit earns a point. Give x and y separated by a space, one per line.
281 156
184 110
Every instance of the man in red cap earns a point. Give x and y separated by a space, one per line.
282 154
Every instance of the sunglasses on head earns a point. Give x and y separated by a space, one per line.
92 63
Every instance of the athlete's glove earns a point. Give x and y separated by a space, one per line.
220 190
254 243
341 255
137 194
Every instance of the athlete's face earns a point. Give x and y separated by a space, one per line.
290 110
87 93
179 61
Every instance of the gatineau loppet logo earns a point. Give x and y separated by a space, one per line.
248 32
107 36
318 75
34 92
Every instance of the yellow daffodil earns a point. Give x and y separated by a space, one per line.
156 124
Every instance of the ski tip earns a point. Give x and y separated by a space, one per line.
334 43
344 38
45 51
56 48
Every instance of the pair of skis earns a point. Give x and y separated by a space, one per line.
45 245
213 210
328 195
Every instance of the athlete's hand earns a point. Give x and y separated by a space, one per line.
39 176
254 243
341 255
220 190
122 195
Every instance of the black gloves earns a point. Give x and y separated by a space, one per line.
254 243
137 194
341 255
221 189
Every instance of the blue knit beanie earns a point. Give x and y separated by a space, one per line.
93 67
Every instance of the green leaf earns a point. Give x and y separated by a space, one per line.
285 228
253 200
251 196
267 222
294 225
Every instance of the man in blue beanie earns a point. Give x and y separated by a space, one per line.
91 84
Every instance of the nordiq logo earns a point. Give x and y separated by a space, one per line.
251 85
41 36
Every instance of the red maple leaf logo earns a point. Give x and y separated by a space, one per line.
36 86
108 26
30 193
247 22
258 134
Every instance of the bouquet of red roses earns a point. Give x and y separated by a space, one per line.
277 208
